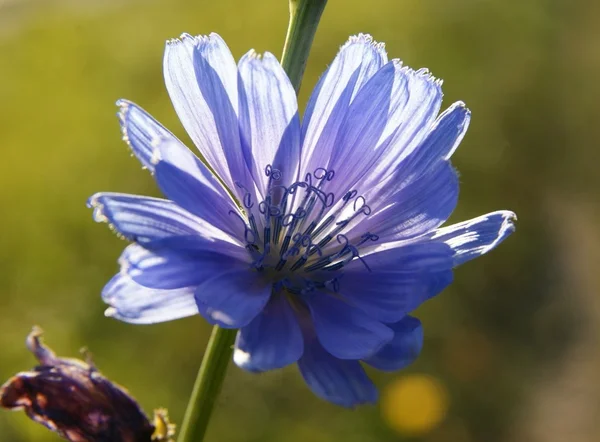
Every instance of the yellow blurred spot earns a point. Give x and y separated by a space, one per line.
414 404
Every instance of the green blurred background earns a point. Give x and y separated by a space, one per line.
512 350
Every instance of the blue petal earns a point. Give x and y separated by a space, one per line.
477 236
415 209
133 303
341 382
435 150
140 130
389 118
403 349
269 122
220 90
183 178
398 280
233 297
345 331
170 269
440 143
201 78
272 340
356 62
144 219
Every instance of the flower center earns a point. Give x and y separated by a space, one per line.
297 233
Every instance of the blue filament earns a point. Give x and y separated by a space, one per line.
299 223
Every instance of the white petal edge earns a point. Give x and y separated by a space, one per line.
477 236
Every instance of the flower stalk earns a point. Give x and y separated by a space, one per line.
208 385
304 19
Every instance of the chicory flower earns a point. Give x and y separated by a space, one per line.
315 238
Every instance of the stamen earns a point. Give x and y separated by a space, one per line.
300 221
333 285
249 236
274 174
299 263
253 227
247 199
280 264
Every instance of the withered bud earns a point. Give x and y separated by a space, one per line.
72 398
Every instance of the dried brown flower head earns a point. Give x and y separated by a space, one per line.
73 399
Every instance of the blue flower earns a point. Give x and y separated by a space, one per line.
316 239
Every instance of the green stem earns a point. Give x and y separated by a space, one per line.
208 385
304 19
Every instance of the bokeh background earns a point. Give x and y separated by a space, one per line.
512 350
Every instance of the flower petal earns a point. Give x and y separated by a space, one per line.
388 119
140 131
421 193
153 144
272 340
403 349
342 382
440 143
477 236
232 298
345 331
269 122
183 178
397 280
356 62
201 78
133 303
171 269
404 212
145 219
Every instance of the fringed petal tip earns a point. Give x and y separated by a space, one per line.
459 108
365 39
421 74
507 226
100 215
261 60
142 219
183 38
123 106
477 236
457 117
141 132
196 40
93 202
